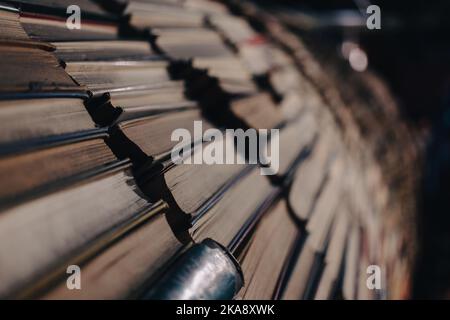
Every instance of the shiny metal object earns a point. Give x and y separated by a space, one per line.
207 271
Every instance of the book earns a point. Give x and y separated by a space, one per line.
207 51
307 271
239 206
351 271
331 200
287 79
267 253
113 107
234 28
47 75
48 28
40 235
111 50
334 259
231 72
291 105
29 123
125 78
364 292
10 27
187 43
37 171
181 184
257 112
215 95
148 138
147 14
295 139
42 21
103 165
311 176
270 67
106 76
86 6
206 6
121 265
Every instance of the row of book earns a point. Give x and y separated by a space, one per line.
88 178
384 148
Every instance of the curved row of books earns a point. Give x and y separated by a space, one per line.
87 177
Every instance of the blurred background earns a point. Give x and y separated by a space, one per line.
410 53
